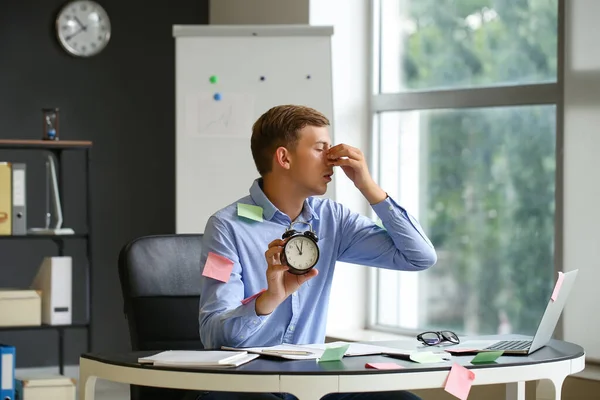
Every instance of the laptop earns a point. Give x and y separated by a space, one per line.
544 331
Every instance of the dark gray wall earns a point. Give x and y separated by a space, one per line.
122 100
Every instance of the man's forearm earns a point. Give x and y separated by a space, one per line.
265 304
373 193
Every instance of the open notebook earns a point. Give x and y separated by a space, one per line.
315 351
198 359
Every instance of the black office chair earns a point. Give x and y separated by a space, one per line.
160 279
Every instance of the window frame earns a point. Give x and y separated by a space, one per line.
551 93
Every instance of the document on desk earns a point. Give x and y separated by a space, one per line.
315 351
198 358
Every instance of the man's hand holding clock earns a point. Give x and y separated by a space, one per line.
281 283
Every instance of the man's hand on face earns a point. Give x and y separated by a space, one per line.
280 282
354 165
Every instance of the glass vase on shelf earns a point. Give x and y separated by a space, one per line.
50 123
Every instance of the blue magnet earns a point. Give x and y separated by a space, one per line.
217 96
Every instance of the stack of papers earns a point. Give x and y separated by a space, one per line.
315 351
198 358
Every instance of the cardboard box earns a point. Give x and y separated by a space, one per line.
20 307
44 387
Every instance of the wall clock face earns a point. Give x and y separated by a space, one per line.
83 28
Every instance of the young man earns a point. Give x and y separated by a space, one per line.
260 303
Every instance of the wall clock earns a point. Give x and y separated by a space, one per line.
83 28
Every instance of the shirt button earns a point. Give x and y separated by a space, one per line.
390 208
292 328
295 294
241 337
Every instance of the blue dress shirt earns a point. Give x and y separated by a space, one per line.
301 319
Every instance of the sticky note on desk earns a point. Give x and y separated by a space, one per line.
426 357
383 366
559 282
250 211
334 353
486 357
217 267
459 381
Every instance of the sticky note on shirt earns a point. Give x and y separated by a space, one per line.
334 353
559 282
217 267
383 366
459 381
379 223
250 211
486 357
249 299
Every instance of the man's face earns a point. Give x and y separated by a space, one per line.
308 165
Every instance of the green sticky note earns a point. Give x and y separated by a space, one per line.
426 357
334 353
251 212
486 357
380 224
213 79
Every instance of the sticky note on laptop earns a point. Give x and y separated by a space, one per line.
217 267
334 353
250 211
559 282
459 381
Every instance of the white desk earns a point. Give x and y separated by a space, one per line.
309 380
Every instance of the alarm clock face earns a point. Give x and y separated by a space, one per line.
301 253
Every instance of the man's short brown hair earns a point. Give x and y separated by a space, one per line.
277 127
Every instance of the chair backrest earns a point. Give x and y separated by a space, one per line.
160 280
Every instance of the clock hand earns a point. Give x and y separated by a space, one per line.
80 24
67 38
299 249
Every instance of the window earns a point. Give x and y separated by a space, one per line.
466 99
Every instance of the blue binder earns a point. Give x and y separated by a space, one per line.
7 372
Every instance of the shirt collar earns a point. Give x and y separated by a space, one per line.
269 209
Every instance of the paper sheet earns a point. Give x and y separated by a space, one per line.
230 117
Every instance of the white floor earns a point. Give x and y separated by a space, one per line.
105 390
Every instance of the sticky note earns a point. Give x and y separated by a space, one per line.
559 282
459 381
250 211
334 353
379 223
249 299
217 267
425 357
383 366
213 79
486 357
217 96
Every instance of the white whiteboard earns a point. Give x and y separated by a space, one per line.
256 68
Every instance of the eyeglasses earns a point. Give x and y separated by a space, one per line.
431 338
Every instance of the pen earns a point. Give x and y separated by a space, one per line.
289 352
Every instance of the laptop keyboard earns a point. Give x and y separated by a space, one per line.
511 345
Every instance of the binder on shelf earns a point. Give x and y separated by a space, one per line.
19 199
54 280
5 198
7 372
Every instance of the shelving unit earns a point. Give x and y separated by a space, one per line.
57 148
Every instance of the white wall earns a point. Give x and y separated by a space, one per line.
581 183
250 12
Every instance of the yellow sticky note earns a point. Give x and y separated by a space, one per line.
334 353
250 211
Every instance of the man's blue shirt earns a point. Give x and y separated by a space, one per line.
301 319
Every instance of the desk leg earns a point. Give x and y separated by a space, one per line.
515 391
558 383
87 387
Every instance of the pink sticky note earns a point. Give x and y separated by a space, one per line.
218 267
559 282
249 299
459 381
383 366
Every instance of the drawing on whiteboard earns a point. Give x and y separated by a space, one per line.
232 116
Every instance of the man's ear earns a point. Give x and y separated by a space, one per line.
282 157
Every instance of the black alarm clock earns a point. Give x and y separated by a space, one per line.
300 251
